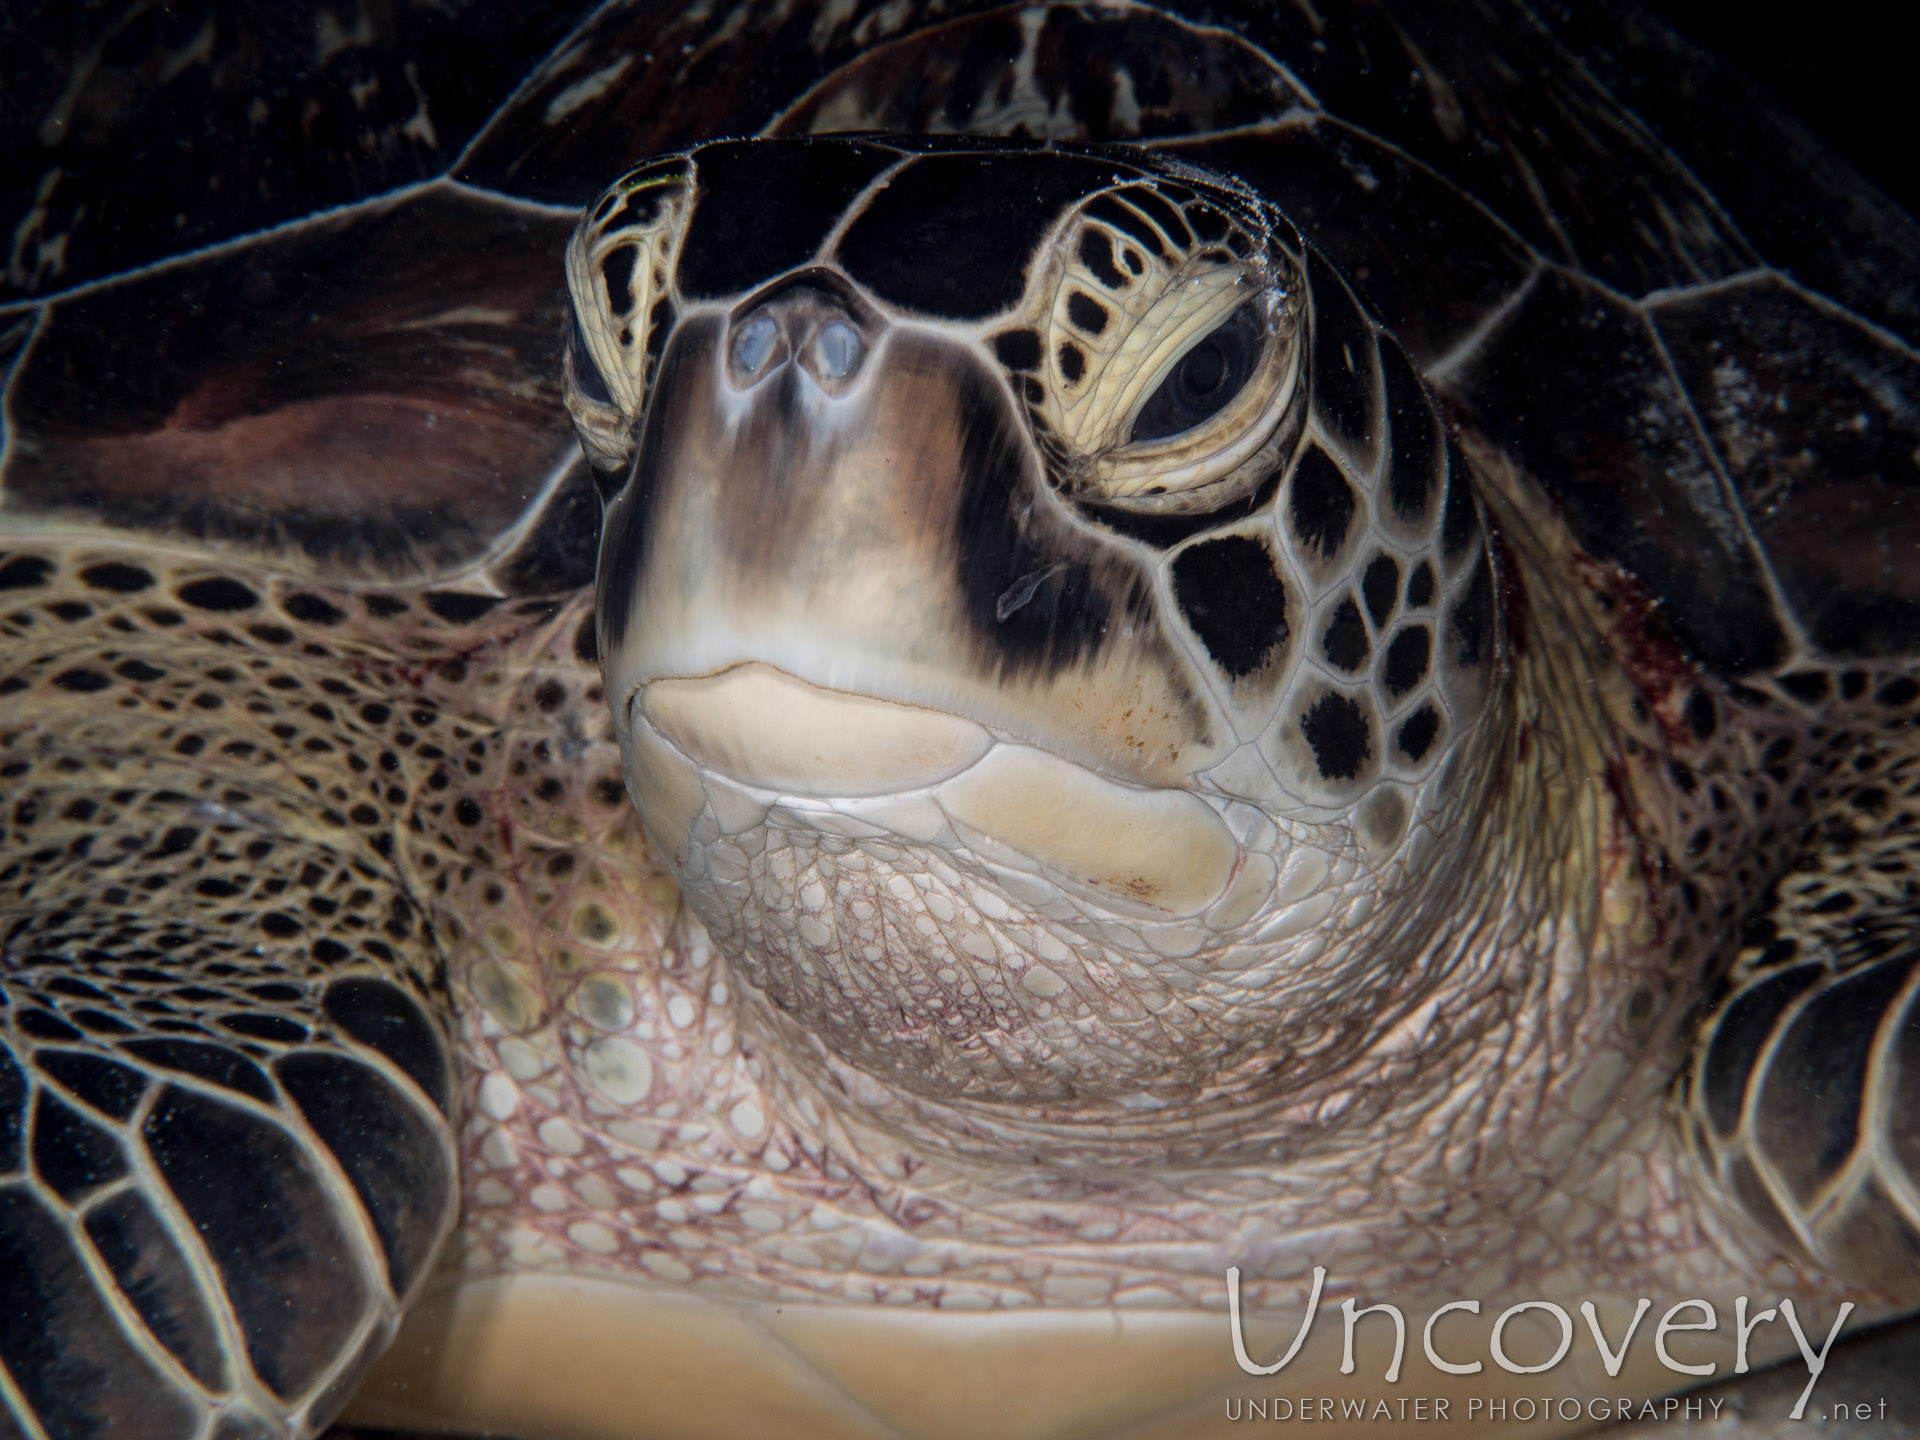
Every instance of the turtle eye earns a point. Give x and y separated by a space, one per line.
618 264
1214 369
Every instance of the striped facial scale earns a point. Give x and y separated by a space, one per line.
1045 619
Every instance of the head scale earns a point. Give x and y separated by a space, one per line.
1031 587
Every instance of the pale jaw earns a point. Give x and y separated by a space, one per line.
1004 940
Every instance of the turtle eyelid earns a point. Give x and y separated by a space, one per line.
617 266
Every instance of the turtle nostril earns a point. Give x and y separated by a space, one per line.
752 343
838 349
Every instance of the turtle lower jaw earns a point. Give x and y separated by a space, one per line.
997 927
766 736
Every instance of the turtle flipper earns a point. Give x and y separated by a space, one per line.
1804 1097
225 1155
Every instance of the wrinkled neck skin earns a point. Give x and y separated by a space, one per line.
1444 1072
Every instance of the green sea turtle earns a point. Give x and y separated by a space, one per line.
1300 666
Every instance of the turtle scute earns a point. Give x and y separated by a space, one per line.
1414 597
226 1079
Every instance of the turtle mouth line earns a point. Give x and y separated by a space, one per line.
772 730
927 776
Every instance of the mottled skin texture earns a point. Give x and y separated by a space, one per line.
528 961
299 690
469 765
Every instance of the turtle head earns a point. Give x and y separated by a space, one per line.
1041 610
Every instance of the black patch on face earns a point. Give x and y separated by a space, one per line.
1416 735
216 1063
109 1087
1379 587
642 201
952 234
659 326
1163 215
383 1017
1017 349
586 374
1346 642
1420 586
1072 363
1096 253
1337 731
766 206
1234 600
219 594
1320 503
1130 222
642 207
1459 523
151 1272
1342 356
1407 658
1206 222
1473 615
71 1154
1166 531
616 268
1085 313
117 578
1065 616
1413 465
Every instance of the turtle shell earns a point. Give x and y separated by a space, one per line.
285 287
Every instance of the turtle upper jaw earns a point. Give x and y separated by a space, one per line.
884 532
760 725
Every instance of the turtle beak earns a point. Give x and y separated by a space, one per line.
858 506
837 574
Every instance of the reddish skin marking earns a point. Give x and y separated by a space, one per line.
1644 645
1653 661
1663 675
